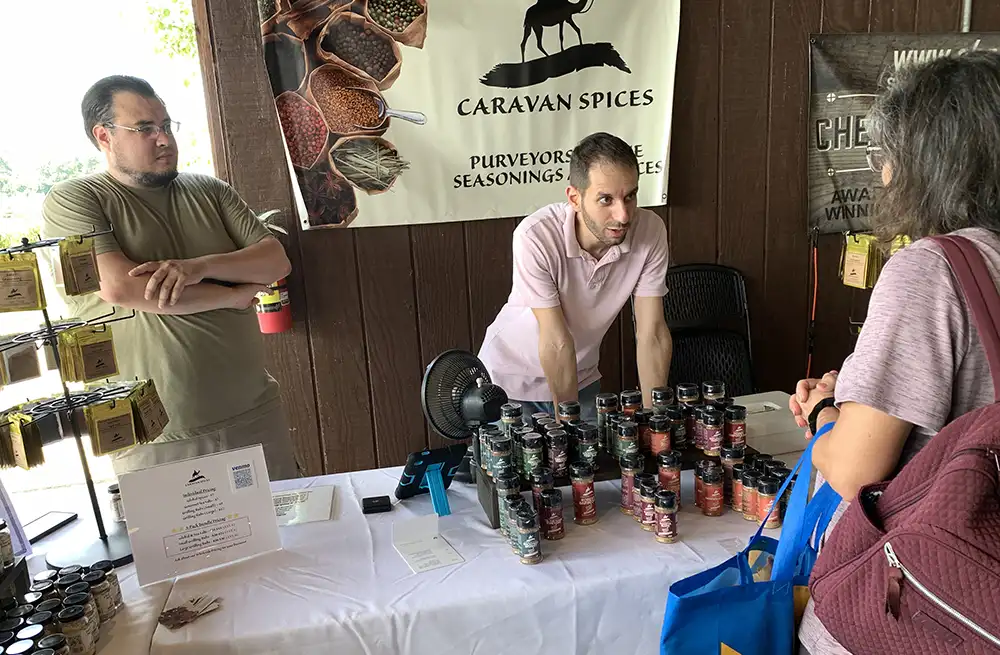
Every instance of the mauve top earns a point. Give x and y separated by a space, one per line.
918 358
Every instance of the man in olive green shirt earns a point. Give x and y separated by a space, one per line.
189 256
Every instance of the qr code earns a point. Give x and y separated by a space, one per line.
243 477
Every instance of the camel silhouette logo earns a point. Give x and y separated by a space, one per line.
529 72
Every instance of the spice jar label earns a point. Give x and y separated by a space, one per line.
712 500
666 526
628 484
736 433
584 503
649 514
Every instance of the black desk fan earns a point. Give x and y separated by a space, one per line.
458 396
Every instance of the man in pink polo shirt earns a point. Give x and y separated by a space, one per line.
576 263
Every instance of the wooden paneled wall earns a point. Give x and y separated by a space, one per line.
374 306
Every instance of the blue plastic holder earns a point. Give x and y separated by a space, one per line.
434 478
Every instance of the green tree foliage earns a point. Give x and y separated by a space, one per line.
6 179
52 173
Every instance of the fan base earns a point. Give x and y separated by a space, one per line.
465 473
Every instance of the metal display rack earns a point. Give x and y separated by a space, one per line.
113 544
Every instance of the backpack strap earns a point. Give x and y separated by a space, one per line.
981 294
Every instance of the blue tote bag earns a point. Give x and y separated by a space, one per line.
749 604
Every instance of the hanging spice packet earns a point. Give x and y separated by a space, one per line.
150 414
26 441
110 425
20 283
87 354
78 261
18 362
6 445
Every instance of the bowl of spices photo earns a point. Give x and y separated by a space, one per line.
404 20
370 164
304 129
329 199
354 42
349 105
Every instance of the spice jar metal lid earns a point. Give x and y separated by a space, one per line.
103 565
738 469
644 478
11 625
662 395
21 611
47 575
526 520
113 489
780 472
628 429
712 417
71 570
771 464
538 416
631 397
642 416
532 440
605 400
551 498
557 437
542 475
687 392
750 477
581 470
41 618
31 598
31 631
552 426
586 432
614 418
502 444
768 484
569 408
490 430
20 647
760 460
78 588
725 402
712 475
713 388
648 488
631 461
54 641
508 482
666 499
76 599
736 413
65 581
660 423
675 412
510 410
573 426
732 452
519 430
669 459
43 587
50 605
71 613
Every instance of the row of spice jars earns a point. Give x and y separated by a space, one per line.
652 500
521 449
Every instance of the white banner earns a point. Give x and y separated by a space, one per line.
487 134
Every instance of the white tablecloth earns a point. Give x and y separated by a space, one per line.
340 587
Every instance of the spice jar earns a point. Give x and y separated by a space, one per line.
6 545
678 427
712 426
22 647
630 465
31 633
614 420
73 624
736 425
669 473
547 425
772 465
690 425
46 588
631 401
730 456
72 569
532 453
502 456
750 479
688 393
760 461
699 470
56 642
85 599
647 496
587 444
782 474
641 418
607 403
486 434
698 432
31 598
45 619
21 612
558 451
713 499
767 492
515 506
520 431
584 501
568 410
736 498
666 516
508 486
659 427
713 390
531 544
48 575
640 480
541 479
117 507
539 416
553 526
510 416
662 397
628 438
109 570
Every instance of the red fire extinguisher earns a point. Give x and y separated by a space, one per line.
274 314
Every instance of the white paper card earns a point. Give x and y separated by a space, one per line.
200 512
303 505
421 545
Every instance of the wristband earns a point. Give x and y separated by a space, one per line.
814 414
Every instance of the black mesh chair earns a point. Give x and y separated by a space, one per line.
706 310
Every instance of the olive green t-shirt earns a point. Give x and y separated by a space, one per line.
208 367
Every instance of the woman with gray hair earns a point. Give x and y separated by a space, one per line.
919 362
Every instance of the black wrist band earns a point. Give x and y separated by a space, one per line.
820 406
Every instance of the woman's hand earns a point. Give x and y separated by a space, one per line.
808 393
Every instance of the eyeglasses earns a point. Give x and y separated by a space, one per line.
151 131
874 156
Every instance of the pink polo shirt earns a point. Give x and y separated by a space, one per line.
552 270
